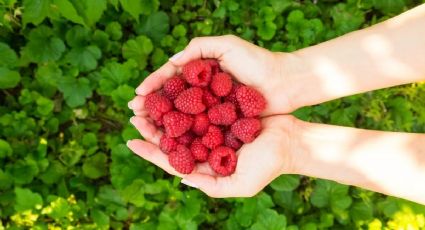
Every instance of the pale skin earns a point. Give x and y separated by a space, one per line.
387 54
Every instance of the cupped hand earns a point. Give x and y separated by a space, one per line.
248 63
259 162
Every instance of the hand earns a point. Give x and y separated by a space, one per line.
258 162
252 65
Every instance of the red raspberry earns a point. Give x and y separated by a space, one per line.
215 67
250 101
186 138
200 124
173 87
231 141
157 105
176 123
182 160
246 129
223 160
222 114
213 137
190 101
221 84
199 151
167 144
197 73
232 95
209 99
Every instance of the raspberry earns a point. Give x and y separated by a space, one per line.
223 160
250 101
173 87
209 99
176 123
200 124
157 105
197 73
213 137
232 95
190 101
231 141
215 67
167 144
221 84
186 138
199 151
222 114
246 129
182 160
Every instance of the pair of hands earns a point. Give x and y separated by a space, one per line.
259 162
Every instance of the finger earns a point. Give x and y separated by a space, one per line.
155 81
148 130
203 47
152 153
138 103
234 185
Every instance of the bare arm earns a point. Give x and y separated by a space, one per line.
387 162
387 54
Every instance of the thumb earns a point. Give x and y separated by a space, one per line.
203 47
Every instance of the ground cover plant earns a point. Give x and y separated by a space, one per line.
69 67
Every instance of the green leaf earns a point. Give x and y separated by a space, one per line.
68 11
122 95
43 46
155 26
267 30
361 212
44 106
137 7
5 149
134 193
59 208
75 91
6 180
53 173
285 183
114 30
269 220
332 194
138 49
35 11
95 166
94 10
85 58
26 199
8 57
8 78
23 171
100 218
390 7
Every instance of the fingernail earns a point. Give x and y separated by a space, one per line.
131 104
132 120
188 183
176 56
139 90
128 142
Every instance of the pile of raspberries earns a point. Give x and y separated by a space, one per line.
205 116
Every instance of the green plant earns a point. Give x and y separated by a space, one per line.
69 67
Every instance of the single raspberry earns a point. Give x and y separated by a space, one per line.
167 144
197 73
176 123
200 124
182 160
215 67
250 101
186 138
246 129
199 151
232 95
223 160
231 141
173 87
213 137
209 99
221 84
157 105
190 101
222 114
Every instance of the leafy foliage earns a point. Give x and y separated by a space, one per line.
69 67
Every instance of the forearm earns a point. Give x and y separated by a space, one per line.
387 54
387 162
